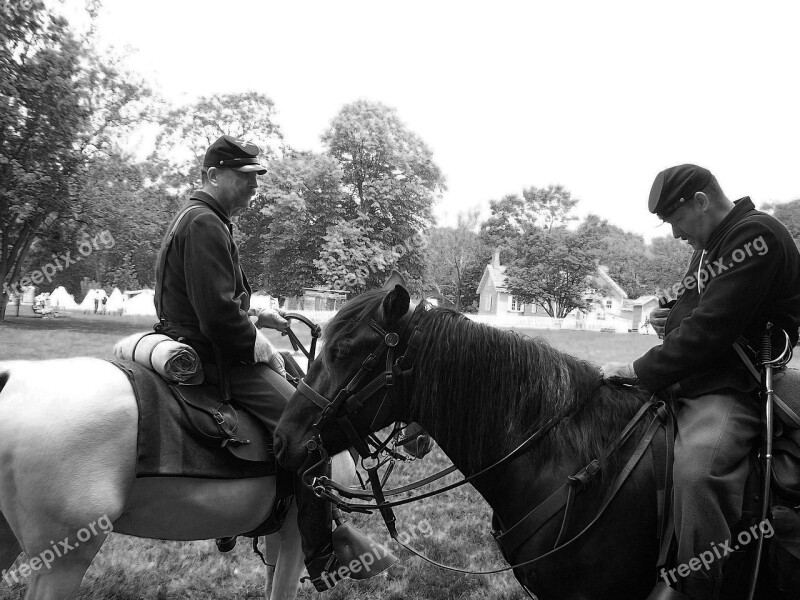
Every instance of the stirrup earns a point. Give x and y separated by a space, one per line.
351 554
363 557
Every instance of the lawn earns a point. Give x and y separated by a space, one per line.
453 528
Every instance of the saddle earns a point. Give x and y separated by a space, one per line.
186 431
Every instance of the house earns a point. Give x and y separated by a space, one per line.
609 305
494 297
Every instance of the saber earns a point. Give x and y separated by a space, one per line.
766 364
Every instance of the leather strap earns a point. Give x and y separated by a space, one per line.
162 258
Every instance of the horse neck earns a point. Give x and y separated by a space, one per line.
512 490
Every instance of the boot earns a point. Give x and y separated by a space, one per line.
331 557
226 544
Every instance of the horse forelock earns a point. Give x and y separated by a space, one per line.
480 391
351 316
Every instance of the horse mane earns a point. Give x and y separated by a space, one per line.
481 391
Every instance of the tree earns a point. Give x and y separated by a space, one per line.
789 214
349 259
549 207
543 208
59 103
285 225
668 259
187 131
552 268
624 253
455 261
390 174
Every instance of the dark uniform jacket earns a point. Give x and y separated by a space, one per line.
205 294
749 274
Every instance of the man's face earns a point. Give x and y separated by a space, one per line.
235 189
689 223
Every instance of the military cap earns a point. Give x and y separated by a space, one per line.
674 186
234 153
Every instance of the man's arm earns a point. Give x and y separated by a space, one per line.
729 301
211 286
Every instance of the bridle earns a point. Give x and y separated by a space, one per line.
397 375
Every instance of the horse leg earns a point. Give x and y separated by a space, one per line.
289 563
271 550
9 545
59 577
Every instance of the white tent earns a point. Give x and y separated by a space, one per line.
142 303
263 301
88 303
116 302
60 297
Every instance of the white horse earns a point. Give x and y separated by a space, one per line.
67 470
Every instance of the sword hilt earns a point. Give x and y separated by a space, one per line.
765 352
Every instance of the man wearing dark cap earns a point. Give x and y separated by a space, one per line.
745 272
202 295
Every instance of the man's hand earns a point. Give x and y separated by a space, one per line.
658 319
617 369
265 352
272 319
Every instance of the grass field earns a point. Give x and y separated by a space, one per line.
453 527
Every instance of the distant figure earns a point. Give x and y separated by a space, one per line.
96 302
103 307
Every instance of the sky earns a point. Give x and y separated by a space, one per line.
596 96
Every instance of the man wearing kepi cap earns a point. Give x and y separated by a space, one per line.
202 296
745 272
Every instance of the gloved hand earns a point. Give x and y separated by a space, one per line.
272 319
617 369
265 352
658 319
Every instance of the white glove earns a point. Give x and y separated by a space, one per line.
272 319
618 369
265 352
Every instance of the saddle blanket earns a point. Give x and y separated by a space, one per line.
169 443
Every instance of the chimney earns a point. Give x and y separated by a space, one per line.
496 258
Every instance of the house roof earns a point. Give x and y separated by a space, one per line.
497 277
640 301
608 281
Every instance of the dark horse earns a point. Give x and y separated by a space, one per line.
480 392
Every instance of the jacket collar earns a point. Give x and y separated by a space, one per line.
208 199
741 208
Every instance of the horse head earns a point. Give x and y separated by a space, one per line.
350 389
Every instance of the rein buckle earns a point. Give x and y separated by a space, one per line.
584 477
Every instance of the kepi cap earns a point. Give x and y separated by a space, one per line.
234 153
675 186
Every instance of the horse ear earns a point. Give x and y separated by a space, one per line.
395 278
395 304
